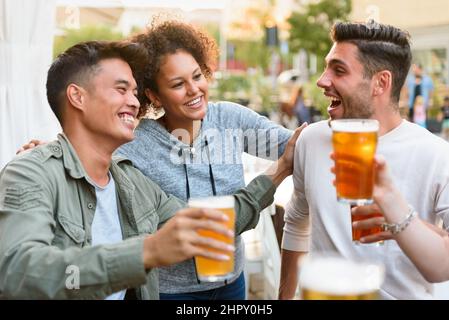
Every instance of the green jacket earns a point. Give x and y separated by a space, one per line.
47 205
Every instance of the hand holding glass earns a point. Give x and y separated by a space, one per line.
210 270
360 233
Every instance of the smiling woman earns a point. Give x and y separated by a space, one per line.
195 148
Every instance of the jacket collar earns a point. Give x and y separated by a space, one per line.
72 162
70 159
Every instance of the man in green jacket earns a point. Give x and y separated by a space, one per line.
76 222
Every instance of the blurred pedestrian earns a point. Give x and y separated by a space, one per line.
418 84
300 110
419 113
444 116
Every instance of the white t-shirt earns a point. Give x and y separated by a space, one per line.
419 164
106 227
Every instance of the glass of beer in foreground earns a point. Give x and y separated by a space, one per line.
354 142
210 270
337 278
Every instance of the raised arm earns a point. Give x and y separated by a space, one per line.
260 192
426 246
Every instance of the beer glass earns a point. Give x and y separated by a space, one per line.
337 278
210 270
354 142
359 233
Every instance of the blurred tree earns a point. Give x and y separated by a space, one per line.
249 38
315 94
251 53
74 36
213 29
310 27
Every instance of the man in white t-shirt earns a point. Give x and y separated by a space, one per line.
365 71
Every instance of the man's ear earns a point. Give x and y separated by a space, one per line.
76 96
383 82
153 97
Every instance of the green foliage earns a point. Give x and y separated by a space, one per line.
252 53
231 87
310 28
437 98
314 93
213 29
74 36
251 89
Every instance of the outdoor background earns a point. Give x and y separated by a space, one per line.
268 49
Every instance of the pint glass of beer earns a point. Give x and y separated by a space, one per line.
359 233
337 278
210 270
354 142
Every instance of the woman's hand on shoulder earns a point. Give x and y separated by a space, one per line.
30 145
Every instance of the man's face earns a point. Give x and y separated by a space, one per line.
112 105
343 82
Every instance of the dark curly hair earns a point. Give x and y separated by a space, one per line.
381 47
167 37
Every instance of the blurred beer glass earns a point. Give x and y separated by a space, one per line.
354 142
337 278
359 233
210 270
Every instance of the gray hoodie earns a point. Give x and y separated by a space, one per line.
228 129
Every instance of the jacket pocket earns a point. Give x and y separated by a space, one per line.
69 232
147 221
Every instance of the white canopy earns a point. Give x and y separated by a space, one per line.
26 42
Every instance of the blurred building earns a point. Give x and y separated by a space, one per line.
124 15
221 16
426 21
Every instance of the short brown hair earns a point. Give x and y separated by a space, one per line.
78 63
167 37
381 47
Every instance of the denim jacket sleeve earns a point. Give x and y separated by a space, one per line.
31 267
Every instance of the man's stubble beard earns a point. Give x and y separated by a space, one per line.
359 105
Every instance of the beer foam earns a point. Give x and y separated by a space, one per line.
220 202
338 276
355 125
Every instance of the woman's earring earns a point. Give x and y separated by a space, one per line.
154 112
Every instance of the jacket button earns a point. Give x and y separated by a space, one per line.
90 205
56 149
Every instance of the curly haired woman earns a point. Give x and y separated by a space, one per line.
192 147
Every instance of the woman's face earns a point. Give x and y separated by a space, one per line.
183 89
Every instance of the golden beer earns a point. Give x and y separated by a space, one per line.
211 270
336 278
354 142
359 233
315 295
